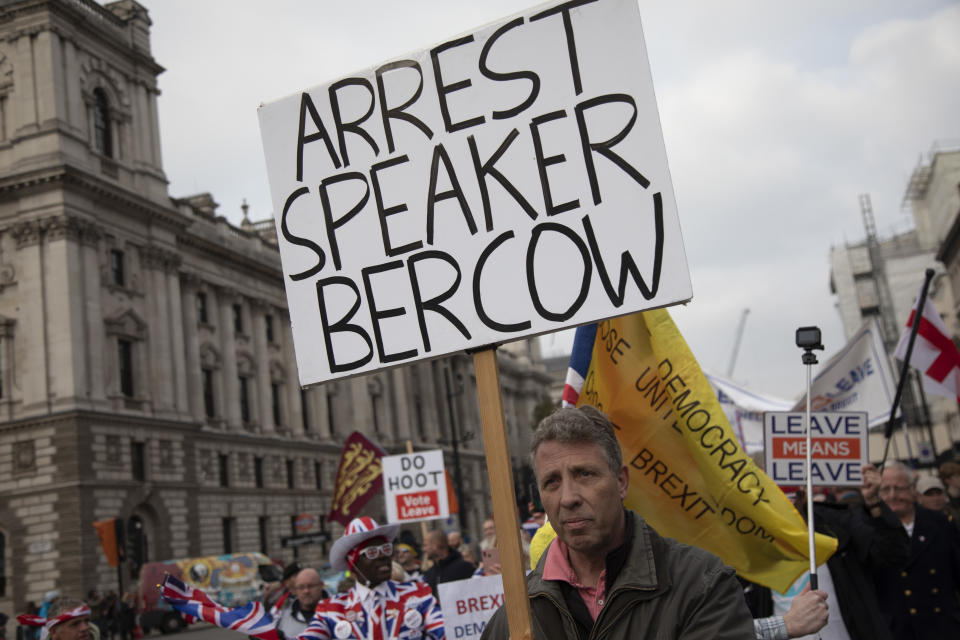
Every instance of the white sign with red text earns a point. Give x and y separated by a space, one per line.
838 447
415 487
469 604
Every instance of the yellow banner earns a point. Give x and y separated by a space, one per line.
689 478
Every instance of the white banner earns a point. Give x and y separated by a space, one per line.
744 409
414 486
508 182
856 378
838 448
469 604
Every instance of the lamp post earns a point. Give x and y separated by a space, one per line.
454 441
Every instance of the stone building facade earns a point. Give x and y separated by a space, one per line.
933 199
146 362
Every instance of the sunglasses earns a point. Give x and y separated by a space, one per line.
372 553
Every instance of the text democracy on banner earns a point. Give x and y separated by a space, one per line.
504 183
689 477
838 447
415 486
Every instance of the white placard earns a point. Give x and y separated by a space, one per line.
838 447
508 182
414 486
469 604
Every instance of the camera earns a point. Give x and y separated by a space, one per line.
809 338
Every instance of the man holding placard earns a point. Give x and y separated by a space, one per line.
609 571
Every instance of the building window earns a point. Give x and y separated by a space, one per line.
269 322
3 565
208 404
2 345
101 123
262 526
125 348
293 525
227 524
318 474
290 474
138 461
275 401
117 275
202 308
244 400
305 410
258 472
224 468
238 318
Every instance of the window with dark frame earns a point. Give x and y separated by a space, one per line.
262 527
223 463
275 402
3 565
290 479
138 461
293 525
202 308
318 474
1 368
244 400
125 352
102 138
227 535
238 318
305 410
269 322
258 472
209 407
117 275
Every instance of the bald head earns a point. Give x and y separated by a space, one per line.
435 545
308 588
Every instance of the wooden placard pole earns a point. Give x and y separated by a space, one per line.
501 491
423 523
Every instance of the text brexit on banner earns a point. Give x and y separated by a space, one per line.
838 447
507 182
469 605
415 487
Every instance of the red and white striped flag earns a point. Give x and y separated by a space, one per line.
934 353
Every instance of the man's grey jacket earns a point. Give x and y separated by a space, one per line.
665 589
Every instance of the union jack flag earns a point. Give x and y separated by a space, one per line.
580 357
251 619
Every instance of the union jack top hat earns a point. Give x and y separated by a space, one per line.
359 530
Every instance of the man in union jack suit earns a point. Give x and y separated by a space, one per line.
376 608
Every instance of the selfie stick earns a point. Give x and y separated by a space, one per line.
808 339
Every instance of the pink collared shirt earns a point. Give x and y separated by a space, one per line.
557 567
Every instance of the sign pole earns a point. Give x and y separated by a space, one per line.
423 523
808 339
501 491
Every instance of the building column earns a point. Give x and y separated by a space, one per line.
228 348
154 261
93 313
258 309
63 296
31 339
292 382
401 402
191 346
178 344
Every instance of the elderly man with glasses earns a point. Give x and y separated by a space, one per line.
375 608
920 601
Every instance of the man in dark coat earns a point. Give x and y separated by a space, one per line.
920 601
448 564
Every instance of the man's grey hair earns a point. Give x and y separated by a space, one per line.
62 605
896 464
581 424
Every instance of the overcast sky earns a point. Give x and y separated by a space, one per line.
775 115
